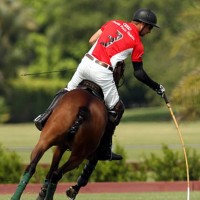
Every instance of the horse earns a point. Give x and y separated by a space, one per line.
77 123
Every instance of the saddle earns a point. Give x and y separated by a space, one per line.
92 87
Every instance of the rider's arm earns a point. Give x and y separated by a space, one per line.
94 37
142 76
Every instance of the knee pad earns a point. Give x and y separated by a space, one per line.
115 114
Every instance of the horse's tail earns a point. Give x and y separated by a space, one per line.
82 115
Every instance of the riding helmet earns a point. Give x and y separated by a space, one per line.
146 15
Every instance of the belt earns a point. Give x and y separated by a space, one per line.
99 62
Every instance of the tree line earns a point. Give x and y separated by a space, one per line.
40 36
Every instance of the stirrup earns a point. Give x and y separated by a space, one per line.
38 122
37 118
41 120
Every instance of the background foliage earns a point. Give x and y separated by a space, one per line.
169 167
10 166
38 36
187 95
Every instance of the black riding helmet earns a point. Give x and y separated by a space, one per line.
145 15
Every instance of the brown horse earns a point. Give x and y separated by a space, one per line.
77 123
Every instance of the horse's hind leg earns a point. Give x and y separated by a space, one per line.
58 152
82 179
72 163
36 155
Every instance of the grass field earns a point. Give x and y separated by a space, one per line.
142 131
119 196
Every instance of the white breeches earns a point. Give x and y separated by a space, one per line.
100 75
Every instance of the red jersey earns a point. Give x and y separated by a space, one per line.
118 40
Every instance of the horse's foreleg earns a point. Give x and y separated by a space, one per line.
29 171
22 185
82 179
58 153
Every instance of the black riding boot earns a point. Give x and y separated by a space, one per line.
104 151
41 119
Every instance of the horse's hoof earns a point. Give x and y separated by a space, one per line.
42 194
71 193
40 198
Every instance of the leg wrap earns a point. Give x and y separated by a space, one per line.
30 170
22 185
56 176
52 185
50 191
86 173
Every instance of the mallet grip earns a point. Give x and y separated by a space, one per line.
165 98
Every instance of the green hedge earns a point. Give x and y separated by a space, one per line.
4 111
168 167
171 166
104 171
10 166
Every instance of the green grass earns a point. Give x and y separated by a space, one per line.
136 133
140 138
120 196
22 138
141 131
146 114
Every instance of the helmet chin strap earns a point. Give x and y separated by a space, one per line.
142 30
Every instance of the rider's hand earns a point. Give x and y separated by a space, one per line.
160 90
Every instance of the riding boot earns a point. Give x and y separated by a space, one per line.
104 151
42 118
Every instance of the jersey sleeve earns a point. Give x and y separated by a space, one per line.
137 53
104 25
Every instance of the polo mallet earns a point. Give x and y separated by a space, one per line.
182 142
47 72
